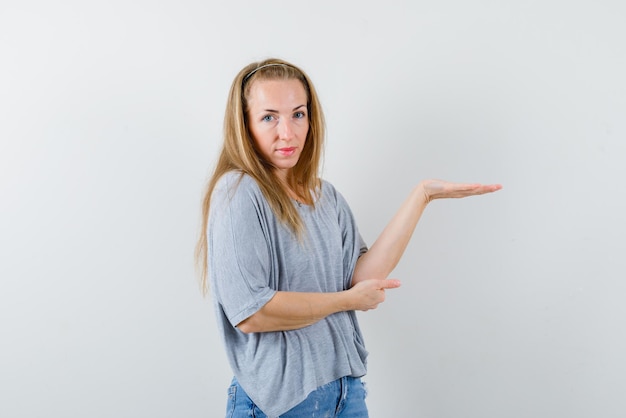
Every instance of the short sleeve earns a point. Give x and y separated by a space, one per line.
239 250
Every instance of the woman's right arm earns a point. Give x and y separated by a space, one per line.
292 310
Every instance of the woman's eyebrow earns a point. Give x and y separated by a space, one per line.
276 111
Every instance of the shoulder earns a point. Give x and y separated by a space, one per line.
327 189
233 180
331 197
236 192
330 193
234 184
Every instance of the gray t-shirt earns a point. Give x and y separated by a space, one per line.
251 256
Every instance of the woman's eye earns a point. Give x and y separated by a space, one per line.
268 118
299 115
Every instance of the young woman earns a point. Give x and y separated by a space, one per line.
286 263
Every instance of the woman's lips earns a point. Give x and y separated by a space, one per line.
287 151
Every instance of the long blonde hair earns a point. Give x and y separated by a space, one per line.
239 154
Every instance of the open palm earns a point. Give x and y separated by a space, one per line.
441 189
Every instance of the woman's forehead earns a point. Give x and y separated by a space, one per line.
272 92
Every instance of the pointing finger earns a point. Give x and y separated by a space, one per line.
390 284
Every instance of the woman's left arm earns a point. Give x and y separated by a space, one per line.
383 256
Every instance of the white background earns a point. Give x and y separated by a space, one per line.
110 119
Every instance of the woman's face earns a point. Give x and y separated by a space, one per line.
278 121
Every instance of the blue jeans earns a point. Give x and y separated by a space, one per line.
342 398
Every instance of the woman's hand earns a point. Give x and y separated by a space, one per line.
368 294
440 189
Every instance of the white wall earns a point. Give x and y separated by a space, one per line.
110 117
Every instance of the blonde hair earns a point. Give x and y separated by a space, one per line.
239 154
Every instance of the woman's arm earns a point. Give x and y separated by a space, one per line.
385 253
292 310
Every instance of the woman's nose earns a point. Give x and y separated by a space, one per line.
285 130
